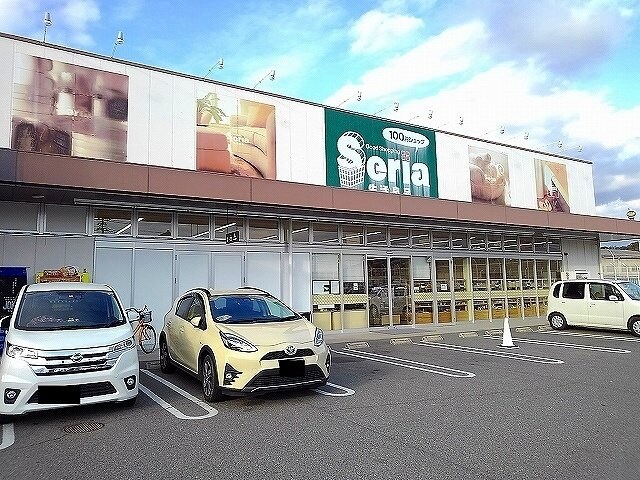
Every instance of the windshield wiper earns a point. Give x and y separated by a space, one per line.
290 317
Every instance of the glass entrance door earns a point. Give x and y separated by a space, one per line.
443 290
390 298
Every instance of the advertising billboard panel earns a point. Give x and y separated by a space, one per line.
68 109
552 186
379 155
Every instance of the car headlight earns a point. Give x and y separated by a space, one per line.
239 344
21 352
127 344
318 340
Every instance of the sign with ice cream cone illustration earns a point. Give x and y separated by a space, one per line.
379 155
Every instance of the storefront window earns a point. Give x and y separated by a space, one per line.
422 290
354 295
479 277
66 219
526 244
555 268
420 238
513 274
228 224
441 240
510 243
299 231
193 226
352 235
554 245
540 244
326 233
325 291
154 224
459 240
496 280
542 273
399 237
461 288
528 275
494 242
477 241
264 229
376 235
112 221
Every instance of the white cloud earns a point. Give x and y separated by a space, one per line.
78 15
453 51
18 15
376 31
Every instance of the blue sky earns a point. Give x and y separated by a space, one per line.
559 70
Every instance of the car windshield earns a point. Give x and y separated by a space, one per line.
249 309
631 288
67 310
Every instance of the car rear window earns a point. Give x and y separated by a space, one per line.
556 290
67 310
573 290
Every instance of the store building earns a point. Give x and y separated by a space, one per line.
155 182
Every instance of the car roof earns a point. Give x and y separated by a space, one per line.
67 286
237 291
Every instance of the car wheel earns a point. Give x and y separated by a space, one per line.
130 402
634 326
557 321
209 377
165 362
374 315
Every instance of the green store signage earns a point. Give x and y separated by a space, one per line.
379 155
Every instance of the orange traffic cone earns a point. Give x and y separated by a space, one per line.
507 341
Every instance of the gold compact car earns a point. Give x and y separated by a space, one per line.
242 341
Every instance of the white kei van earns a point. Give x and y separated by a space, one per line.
595 303
67 344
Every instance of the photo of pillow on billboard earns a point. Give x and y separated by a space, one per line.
67 109
235 136
552 187
489 176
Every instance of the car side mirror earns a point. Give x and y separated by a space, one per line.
195 321
5 322
133 316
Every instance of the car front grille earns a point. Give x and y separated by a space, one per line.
271 379
280 354
86 390
62 362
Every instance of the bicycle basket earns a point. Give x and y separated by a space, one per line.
145 316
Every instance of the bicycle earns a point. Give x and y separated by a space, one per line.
143 330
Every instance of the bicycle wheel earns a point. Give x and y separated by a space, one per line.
148 339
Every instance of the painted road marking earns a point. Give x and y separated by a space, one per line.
401 362
8 436
592 335
572 345
345 392
170 408
492 353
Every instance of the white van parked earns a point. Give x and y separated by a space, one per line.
595 303
67 344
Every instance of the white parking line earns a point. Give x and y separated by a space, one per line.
573 345
592 335
492 353
170 408
8 436
345 391
401 362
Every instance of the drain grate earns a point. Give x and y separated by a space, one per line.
84 427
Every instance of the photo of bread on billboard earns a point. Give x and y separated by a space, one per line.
489 176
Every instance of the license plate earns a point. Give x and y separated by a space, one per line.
292 368
54 394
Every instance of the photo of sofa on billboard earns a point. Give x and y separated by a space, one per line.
489 176
379 155
552 186
67 109
235 136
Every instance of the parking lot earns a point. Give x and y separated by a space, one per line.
560 406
